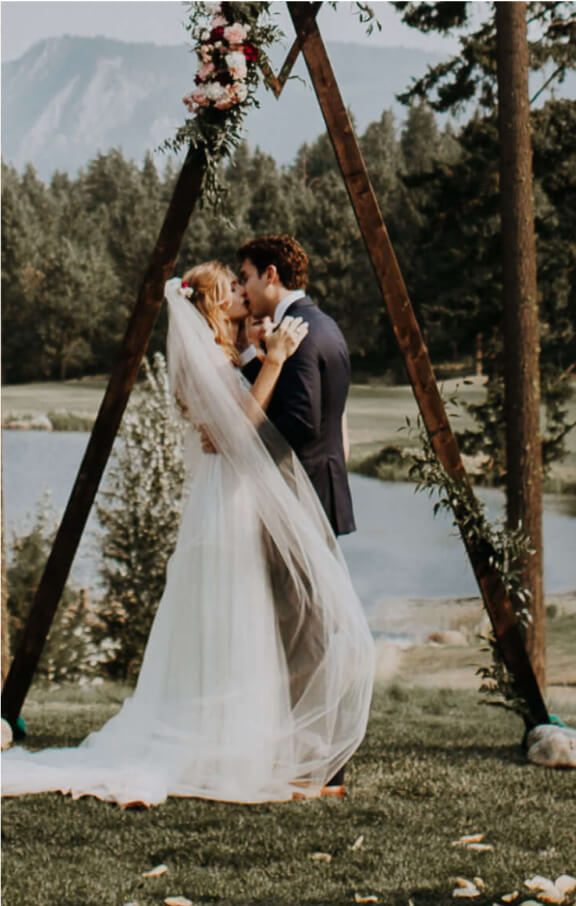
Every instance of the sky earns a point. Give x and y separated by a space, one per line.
25 22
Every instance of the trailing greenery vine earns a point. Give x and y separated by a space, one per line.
505 548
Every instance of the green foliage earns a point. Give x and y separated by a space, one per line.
458 281
62 420
366 15
139 511
69 654
69 284
460 226
471 74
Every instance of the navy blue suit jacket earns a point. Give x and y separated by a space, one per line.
307 407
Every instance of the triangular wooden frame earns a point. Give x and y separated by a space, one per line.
276 82
141 323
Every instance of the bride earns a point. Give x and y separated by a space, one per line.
241 697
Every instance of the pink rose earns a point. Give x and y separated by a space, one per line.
194 101
218 21
225 102
205 53
235 34
205 70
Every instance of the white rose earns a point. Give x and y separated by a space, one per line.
240 91
236 63
235 58
214 91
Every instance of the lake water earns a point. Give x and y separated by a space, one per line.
399 550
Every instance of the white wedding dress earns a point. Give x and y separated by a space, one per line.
257 677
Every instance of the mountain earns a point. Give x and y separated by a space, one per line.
67 98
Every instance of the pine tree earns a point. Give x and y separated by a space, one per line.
69 654
139 511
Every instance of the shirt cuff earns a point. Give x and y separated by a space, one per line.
249 353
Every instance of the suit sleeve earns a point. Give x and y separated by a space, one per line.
252 369
297 401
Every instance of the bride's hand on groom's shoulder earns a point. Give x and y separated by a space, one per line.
285 340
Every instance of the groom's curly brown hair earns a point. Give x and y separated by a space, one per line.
287 255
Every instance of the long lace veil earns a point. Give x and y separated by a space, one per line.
328 647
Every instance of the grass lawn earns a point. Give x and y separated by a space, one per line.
435 765
78 397
376 411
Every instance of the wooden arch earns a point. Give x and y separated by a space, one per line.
148 304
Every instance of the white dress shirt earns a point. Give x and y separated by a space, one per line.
249 353
285 304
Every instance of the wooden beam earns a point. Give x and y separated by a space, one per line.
411 344
132 350
276 82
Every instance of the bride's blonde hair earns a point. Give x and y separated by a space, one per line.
211 287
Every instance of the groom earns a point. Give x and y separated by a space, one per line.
307 405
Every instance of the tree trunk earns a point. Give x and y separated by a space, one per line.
521 333
5 651
479 356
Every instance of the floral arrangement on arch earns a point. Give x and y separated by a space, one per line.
225 55
229 41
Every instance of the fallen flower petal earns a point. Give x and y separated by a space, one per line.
155 872
565 883
177 901
466 892
468 838
462 882
358 843
538 883
552 895
509 897
320 857
480 847
368 899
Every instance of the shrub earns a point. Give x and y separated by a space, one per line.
62 420
140 514
69 654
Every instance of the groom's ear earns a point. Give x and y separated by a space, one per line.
271 274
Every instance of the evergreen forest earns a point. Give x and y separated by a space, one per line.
74 251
